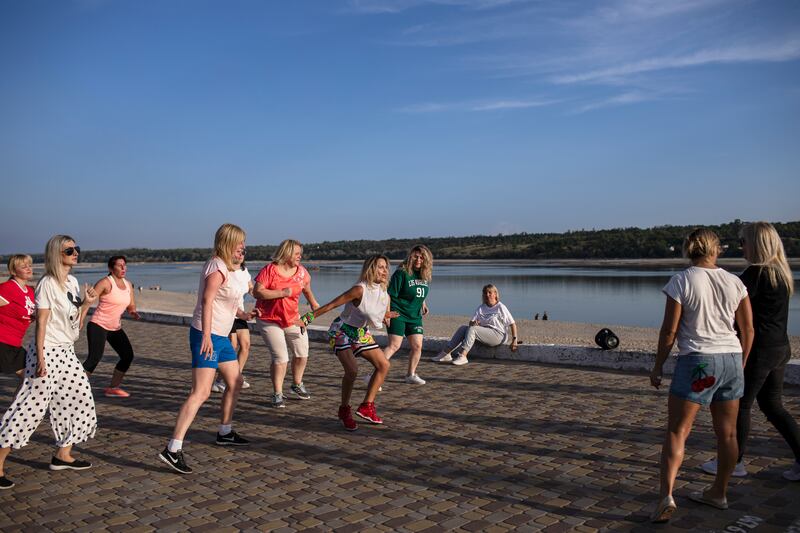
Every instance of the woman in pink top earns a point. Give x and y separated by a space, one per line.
17 309
116 297
277 291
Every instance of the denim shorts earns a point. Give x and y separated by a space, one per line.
707 378
223 350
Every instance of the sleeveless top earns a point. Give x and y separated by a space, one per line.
112 305
372 309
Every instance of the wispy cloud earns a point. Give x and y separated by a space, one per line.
398 6
633 97
785 51
476 106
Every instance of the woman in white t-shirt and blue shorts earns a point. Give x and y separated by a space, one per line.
217 306
489 325
703 302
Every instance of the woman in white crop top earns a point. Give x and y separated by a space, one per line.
366 305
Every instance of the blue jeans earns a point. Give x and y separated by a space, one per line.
706 378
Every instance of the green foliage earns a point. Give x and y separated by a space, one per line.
623 243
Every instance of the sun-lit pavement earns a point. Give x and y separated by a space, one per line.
490 446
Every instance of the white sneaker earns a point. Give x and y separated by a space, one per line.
218 386
414 379
460 360
710 467
793 474
442 357
245 384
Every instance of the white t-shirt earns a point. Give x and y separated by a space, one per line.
63 325
497 317
242 280
226 302
709 298
371 311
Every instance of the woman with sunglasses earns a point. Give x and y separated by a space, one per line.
17 309
54 378
116 296
770 284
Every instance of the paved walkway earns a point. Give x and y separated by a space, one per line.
491 446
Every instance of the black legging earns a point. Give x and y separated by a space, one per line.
96 337
763 381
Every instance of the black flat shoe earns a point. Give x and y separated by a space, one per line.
77 464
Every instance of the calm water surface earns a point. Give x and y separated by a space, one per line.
598 295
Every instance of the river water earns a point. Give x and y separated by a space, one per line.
597 295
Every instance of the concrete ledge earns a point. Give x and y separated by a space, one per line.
558 354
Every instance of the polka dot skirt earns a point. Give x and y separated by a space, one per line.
65 391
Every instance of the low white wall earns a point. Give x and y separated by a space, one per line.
558 354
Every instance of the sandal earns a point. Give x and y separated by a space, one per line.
664 510
700 497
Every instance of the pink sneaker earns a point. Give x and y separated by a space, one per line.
346 416
367 412
115 392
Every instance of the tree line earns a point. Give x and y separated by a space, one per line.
622 243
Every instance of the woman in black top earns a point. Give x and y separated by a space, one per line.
770 284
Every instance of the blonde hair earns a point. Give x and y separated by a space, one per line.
15 261
285 251
227 238
369 271
488 288
763 248
53 265
701 243
426 271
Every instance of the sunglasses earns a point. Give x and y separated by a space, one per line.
72 250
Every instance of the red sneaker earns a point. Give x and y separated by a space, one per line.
115 392
347 418
367 411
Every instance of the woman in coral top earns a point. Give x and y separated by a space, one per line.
17 309
277 291
116 297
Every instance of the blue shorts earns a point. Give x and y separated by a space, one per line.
707 378
223 350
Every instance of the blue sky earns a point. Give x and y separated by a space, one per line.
149 123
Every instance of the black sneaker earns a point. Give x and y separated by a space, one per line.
77 464
175 460
5 483
277 401
231 439
301 392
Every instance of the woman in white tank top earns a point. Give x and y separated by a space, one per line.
366 305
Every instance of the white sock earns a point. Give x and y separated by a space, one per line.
224 429
175 445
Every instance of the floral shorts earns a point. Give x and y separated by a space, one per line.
346 337
706 378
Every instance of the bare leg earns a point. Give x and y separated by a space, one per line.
116 379
298 369
395 341
243 350
278 371
681 415
350 366
381 365
65 453
201 388
233 384
415 353
3 454
724 416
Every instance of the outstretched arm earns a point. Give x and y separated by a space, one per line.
353 294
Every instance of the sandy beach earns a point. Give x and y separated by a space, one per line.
530 331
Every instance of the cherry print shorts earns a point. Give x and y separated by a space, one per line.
706 378
64 392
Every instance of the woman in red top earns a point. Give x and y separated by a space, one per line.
17 309
277 291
